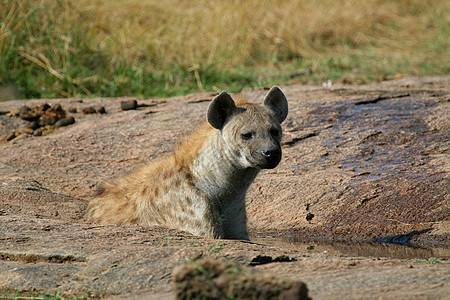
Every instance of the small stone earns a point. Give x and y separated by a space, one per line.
65 122
33 125
37 132
56 107
101 110
24 109
10 136
44 107
46 228
72 110
261 260
47 120
88 110
29 115
24 131
13 112
309 216
128 105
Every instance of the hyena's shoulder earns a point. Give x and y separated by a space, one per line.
189 147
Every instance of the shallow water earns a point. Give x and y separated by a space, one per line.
355 249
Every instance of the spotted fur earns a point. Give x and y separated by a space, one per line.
200 187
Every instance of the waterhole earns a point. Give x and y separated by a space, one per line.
371 249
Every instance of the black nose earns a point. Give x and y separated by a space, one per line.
271 152
269 157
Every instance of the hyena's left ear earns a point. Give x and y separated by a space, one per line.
276 104
221 108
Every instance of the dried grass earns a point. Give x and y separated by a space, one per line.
165 36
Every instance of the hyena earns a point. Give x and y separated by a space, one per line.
200 187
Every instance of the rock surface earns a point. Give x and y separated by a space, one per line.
359 163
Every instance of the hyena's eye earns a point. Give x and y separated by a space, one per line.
247 135
274 132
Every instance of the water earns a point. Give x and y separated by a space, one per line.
355 248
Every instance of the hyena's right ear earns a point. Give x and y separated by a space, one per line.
220 109
276 104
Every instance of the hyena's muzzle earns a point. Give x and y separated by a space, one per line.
268 156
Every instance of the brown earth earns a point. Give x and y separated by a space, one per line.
359 163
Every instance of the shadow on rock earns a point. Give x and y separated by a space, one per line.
403 239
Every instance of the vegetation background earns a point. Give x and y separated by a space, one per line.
63 48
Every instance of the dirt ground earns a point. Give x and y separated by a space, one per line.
360 163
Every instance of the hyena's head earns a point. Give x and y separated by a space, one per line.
252 133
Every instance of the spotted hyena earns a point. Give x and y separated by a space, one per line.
201 186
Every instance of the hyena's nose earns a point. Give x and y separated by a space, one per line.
271 157
271 152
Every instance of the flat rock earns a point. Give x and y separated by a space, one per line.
368 162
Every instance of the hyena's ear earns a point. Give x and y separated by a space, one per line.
220 109
276 104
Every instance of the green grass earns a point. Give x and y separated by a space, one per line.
92 48
217 248
18 295
35 295
433 261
